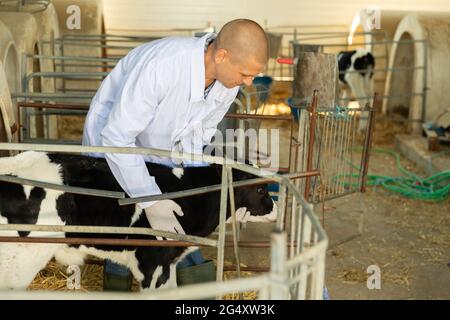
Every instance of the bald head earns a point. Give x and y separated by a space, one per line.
245 40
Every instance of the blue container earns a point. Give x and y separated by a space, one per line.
294 109
262 85
274 187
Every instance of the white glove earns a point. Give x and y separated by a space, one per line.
270 217
161 216
242 215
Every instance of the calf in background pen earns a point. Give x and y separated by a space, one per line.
153 267
356 78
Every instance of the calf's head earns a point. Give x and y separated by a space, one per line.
255 198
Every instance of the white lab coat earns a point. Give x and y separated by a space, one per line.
154 98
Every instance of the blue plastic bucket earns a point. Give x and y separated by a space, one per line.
294 109
263 85
274 187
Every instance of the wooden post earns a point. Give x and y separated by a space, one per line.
315 71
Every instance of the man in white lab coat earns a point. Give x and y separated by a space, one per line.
170 94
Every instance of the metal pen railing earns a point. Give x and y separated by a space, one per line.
226 189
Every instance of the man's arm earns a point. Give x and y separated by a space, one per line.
133 110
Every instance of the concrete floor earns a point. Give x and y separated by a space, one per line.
414 148
408 240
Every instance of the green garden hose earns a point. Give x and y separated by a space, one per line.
433 188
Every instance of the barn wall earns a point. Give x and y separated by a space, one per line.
139 15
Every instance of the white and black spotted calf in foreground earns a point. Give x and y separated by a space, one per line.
151 266
356 78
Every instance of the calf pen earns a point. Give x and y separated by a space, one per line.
297 254
327 141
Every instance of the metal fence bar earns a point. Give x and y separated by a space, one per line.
334 153
64 188
222 218
312 128
50 96
66 74
286 186
335 33
299 290
107 230
212 188
122 150
95 66
352 151
102 241
234 223
347 135
327 151
340 155
373 43
103 35
367 146
425 80
72 58
382 70
67 40
278 274
190 292
414 94
336 139
81 44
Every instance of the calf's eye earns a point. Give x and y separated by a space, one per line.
260 190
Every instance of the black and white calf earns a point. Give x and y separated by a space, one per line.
151 266
356 78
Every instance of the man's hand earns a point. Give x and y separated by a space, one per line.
162 217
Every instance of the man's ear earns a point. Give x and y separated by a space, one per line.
221 55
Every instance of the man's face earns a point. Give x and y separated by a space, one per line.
233 72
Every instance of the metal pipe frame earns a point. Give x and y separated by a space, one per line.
338 146
300 36
131 242
425 80
64 188
83 108
67 75
337 35
271 285
367 146
98 41
334 34
225 187
384 70
128 201
51 96
186 192
21 3
70 58
414 94
104 230
312 130
374 43
102 36
213 188
65 40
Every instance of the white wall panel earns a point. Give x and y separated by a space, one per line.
140 15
